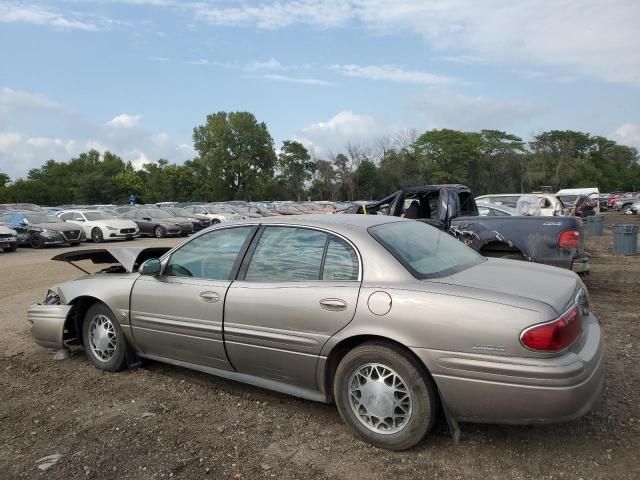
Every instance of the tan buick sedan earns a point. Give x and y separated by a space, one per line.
392 319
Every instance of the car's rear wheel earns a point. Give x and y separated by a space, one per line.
97 236
385 396
215 221
628 210
35 241
158 232
103 339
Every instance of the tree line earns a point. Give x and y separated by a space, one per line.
236 159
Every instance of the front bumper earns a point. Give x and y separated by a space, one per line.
518 390
48 324
8 242
116 235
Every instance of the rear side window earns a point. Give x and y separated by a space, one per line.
287 254
424 250
341 262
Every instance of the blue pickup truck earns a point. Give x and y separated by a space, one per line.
557 241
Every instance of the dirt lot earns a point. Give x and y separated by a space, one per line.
166 422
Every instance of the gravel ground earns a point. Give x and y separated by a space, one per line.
160 421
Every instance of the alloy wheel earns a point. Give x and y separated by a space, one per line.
380 398
102 338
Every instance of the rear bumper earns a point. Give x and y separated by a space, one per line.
48 322
513 390
580 265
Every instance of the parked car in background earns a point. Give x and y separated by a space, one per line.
550 205
100 226
244 210
198 220
22 207
158 223
635 207
38 229
390 319
486 209
215 213
570 195
8 239
624 204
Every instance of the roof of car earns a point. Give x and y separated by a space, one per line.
328 220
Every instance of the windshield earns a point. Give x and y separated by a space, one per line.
424 250
91 216
158 214
36 218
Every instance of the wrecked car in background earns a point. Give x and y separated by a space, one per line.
557 241
393 320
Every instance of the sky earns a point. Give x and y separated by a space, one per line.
136 76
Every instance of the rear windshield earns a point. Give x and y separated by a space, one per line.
424 250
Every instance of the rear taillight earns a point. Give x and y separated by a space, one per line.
556 335
569 239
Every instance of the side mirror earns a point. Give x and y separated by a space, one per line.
150 267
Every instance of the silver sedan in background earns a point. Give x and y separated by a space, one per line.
393 320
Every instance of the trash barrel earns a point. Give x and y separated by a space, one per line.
625 239
595 226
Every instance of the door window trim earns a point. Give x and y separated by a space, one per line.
242 272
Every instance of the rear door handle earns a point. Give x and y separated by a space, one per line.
333 304
209 297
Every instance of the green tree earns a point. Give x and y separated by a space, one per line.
295 169
368 180
449 155
235 155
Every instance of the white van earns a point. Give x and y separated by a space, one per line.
569 195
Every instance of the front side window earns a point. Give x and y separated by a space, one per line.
424 250
287 254
210 256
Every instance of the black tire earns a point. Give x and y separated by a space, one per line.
215 221
35 241
158 232
117 360
423 393
96 235
12 248
627 210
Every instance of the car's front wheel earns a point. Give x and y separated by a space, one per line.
158 232
35 240
103 339
97 236
628 210
385 396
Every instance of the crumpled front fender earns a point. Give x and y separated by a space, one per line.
48 324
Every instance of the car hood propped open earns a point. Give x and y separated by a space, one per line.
129 257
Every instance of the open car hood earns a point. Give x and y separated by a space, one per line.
129 257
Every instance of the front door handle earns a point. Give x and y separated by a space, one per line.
209 297
333 304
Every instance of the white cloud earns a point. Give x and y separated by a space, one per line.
392 73
13 12
202 61
271 64
11 100
589 37
24 146
628 134
124 120
284 78
160 59
443 108
346 126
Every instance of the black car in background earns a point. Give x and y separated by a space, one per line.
159 223
38 230
198 220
